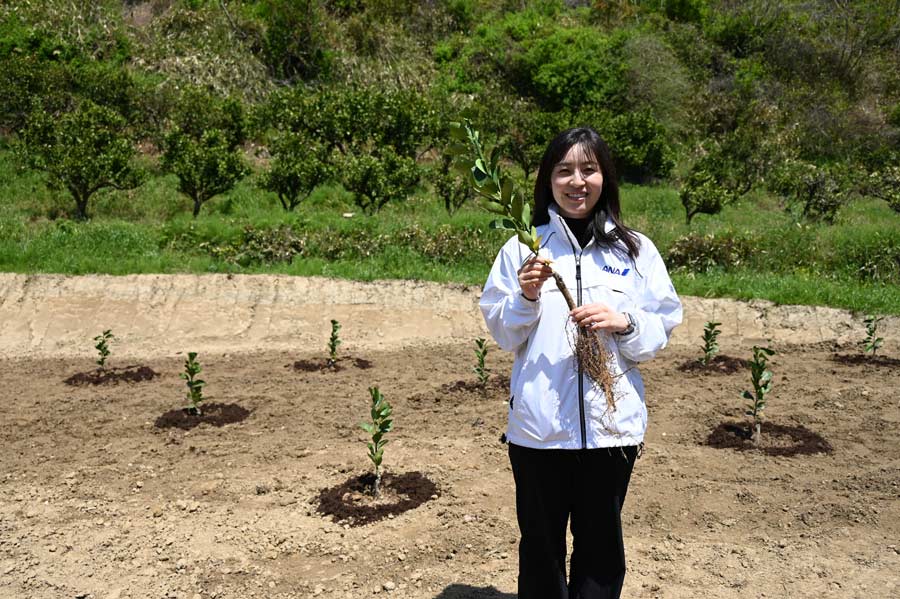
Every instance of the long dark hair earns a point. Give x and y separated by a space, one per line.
607 206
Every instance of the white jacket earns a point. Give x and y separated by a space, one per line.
548 408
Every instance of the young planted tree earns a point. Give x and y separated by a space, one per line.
333 343
382 423
83 151
195 386
298 166
205 167
501 197
761 378
710 342
480 370
102 346
872 341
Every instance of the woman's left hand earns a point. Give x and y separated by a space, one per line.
599 317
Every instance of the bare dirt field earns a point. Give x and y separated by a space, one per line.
101 497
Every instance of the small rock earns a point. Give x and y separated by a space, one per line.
262 489
389 586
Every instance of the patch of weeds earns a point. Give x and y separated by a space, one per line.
701 253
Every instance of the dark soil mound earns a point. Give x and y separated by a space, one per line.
351 502
114 376
215 414
719 364
324 365
495 383
777 439
865 360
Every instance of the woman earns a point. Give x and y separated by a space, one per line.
571 453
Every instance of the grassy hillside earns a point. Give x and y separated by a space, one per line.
778 123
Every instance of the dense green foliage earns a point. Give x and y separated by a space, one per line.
777 122
82 151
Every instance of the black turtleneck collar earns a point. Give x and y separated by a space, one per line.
579 228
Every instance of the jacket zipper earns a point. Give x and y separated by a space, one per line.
577 252
580 368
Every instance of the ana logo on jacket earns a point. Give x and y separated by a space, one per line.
616 271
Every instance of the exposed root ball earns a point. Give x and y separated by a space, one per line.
590 351
594 358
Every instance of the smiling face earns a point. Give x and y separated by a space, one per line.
576 182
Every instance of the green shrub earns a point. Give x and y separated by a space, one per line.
294 46
351 119
297 167
451 188
812 190
198 111
701 253
702 193
573 67
742 32
206 167
379 177
884 184
443 245
639 146
82 151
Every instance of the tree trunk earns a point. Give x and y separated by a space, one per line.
376 488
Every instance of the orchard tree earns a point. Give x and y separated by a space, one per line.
298 166
205 167
371 137
885 185
703 192
82 151
378 177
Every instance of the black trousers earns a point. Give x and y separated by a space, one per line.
587 486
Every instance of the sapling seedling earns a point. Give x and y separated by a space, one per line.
710 342
333 343
480 370
102 346
501 196
195 386
761 377
381 424
872 341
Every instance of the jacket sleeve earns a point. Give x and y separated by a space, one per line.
509 316
657 311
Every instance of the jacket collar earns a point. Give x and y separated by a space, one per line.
558 224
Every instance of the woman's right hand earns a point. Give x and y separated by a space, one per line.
532 276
